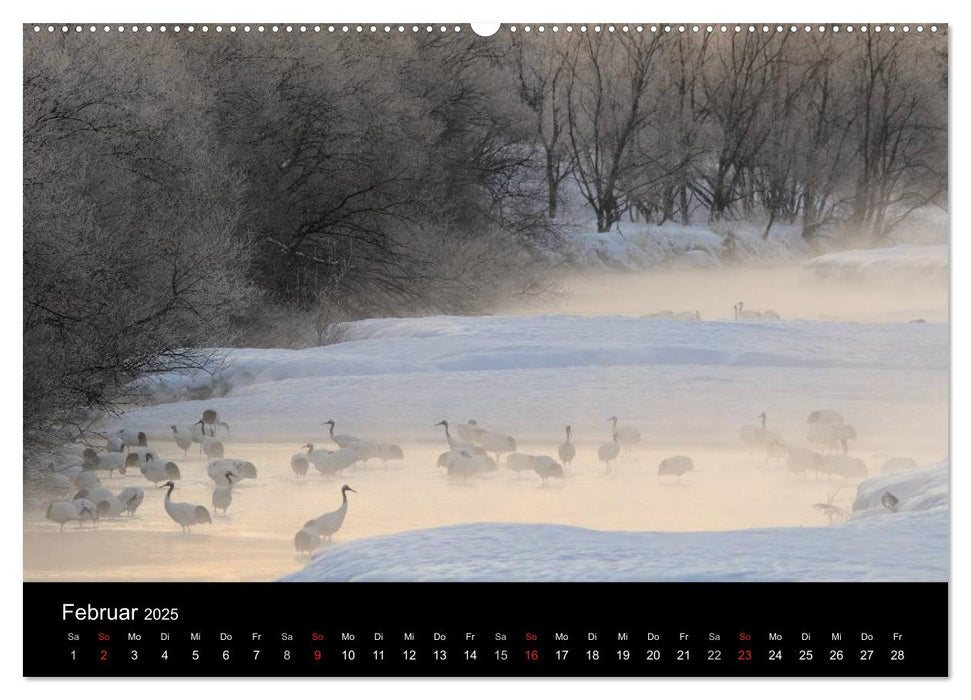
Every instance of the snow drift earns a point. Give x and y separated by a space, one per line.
875 545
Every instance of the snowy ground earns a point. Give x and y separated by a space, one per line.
899 263
678 382
636 246
875 545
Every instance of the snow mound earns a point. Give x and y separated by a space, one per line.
916 489
910 547
905 261
396 377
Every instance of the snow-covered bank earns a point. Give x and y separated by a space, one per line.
635 246
899 263
529 376
875 545
916 490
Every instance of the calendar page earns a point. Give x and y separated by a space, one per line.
486 350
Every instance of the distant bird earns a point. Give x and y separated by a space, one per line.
105 462
471 431
843 465
327 462
130 437
609 451
132 497
329 523
364 450
300 462
183 439
94 495
567 449
464 464
758 435
825 415
342 440
139 458
240 469
62 512
155 470
896 464
200 432
210 419
547 468
889 501
498 444
58 480
454 444
87 479
675 466
185 514
625 433
114 444
388 452
800 460
86 509
222 496
518 462
742 312
307 539
213 448
110 507
831 436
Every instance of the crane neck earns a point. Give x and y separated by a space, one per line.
168 494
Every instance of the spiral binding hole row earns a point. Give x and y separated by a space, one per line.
415 28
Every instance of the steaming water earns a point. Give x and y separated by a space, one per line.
792 292
728 490
903 413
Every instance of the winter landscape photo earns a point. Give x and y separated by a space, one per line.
565 303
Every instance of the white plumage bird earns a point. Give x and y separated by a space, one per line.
329 523
567 450
132 497
132 437
547 468
300 463
239 468
62 512
343 440
626 434
519 462
155 470
105 462
498 444
471 431
609 451
463 464
675 466
454 444
213 448
183 439
222 496
185 514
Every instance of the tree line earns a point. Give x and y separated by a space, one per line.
185 192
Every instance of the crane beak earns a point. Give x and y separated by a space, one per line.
350 489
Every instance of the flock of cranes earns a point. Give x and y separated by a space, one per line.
472 451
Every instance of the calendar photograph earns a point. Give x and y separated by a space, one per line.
588 303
